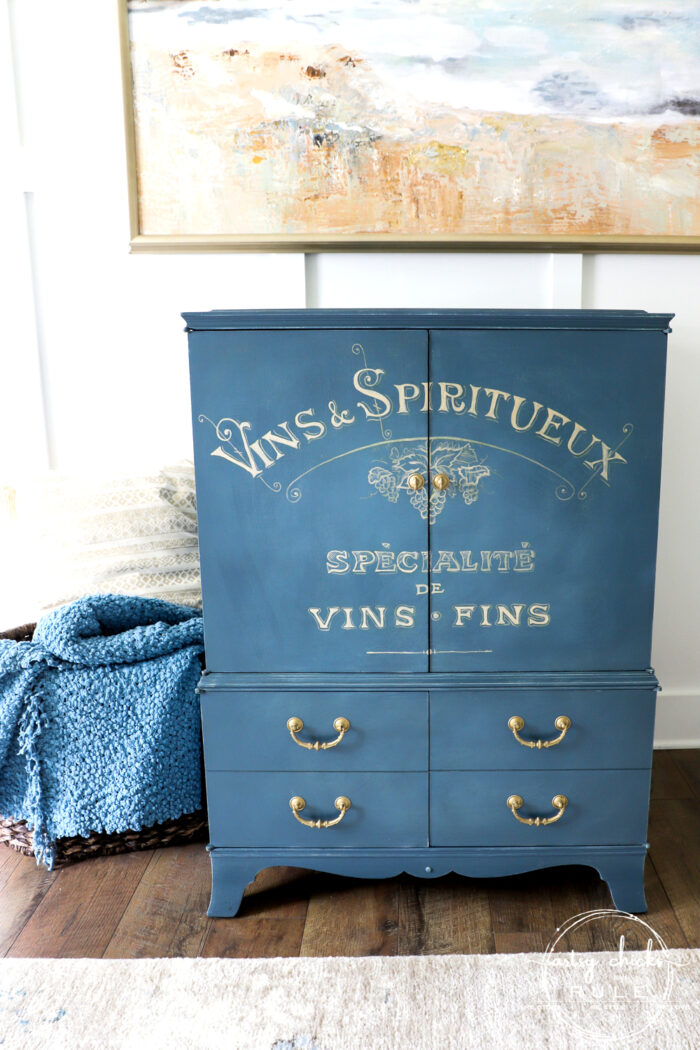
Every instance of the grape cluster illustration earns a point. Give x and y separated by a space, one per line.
457 459
385 483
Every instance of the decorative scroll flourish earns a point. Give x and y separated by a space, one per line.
564 490
627 429
358 348
224 434
453 456
456 459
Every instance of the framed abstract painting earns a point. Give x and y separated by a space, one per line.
412 123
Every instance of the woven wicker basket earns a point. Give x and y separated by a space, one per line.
190 827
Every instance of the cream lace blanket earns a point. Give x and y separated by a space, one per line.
68 537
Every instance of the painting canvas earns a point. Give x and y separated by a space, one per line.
415 121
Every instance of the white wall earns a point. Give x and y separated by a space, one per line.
95 342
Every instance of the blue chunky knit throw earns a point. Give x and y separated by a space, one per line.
99 719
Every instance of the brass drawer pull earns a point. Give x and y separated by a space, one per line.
415 482
297 804
295 725
441 481
561 722
514 802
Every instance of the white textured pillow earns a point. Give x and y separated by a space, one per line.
118 535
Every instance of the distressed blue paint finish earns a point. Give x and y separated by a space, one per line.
606 807
622 867
609 730
577 522
252 809
555 616
264 540
248 730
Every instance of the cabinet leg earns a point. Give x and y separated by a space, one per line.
229 878
625 879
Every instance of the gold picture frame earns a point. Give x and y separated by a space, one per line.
147 236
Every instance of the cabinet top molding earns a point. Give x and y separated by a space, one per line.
585 320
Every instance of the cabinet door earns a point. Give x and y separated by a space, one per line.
302 464
543 544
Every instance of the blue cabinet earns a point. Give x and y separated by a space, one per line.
428 545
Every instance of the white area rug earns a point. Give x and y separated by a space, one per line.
504 1002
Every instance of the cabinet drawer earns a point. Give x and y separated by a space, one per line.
610 729
252 809
605 807
248 730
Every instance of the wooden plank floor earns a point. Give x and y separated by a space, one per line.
153 903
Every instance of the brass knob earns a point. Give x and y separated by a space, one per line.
561 722
416 482
441 481
297 804
514 803
295 725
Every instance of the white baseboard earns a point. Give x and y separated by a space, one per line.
677 719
